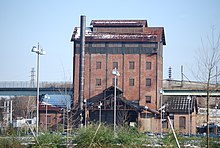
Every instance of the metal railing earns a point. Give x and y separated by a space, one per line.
28 84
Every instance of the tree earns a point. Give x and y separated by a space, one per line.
24 106
208 60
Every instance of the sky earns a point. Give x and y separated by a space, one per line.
24 23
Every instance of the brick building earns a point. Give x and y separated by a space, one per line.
136 51
50 117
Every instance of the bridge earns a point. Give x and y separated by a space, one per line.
27 88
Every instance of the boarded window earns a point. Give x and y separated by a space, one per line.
115 45
115 65
131 65
98 64
165 124
113 81
148 82
148 99
131 82
182 122
98 45
98 82
48 119
131 45
148 65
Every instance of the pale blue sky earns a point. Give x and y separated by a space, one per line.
24 23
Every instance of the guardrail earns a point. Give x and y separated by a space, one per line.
28 84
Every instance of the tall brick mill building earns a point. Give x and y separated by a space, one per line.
136 51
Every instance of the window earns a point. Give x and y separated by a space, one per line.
98 64
98 45
131 64
148 82
115 45
115 65
165 124
148 65
113 81
131 82
131 45
148 99
182 122
48 119
98 82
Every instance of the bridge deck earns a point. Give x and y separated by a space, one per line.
26 88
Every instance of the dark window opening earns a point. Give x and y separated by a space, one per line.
148 65
182 122
115 65
148 99
131 65
148 82
131 82
48 120
165 124
98 65
98 82
113 81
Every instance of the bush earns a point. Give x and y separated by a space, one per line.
169 140
130 137
94 135
103 136
50 140
10 143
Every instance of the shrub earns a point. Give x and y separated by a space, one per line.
103 136
129 137
10 143
50 140
94 135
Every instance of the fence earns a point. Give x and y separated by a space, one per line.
28 84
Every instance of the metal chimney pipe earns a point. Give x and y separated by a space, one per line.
82 65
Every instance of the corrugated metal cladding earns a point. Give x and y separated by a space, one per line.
118 50
150 44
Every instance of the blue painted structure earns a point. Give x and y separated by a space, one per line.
21 88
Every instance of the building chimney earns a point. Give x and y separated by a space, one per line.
82 66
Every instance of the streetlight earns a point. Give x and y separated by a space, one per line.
189 98
46 97
100 112
85 106
115 72
39 52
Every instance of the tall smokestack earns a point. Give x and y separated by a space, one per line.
82 65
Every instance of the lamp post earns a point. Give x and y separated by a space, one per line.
46 97
115 72
39 52
189 98
100 112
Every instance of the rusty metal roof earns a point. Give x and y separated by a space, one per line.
180 104
149 34
119 23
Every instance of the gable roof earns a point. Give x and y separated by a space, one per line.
180 104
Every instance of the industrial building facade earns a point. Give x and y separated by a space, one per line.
136 51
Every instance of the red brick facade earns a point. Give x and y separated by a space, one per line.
131 45
54 117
